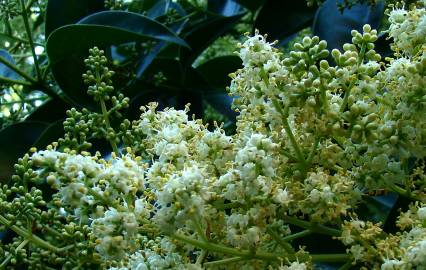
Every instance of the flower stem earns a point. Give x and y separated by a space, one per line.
297 235
8 258
106 119
405 193
224 261
266 256
29 236
312 227
289 133
17 70
30 40
346 266
281 241
13 81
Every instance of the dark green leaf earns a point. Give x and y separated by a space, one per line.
162 7
224 7
216 71
15 141
50 111
60 12
377 208
146 59
133 26
251 4
68 46
221 102
51 134
335 27
203 34
383 45
4 70
281 19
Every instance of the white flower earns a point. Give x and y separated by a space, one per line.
357 252
282 196
294 266
421 213
391 265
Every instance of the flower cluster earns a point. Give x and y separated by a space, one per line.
313 139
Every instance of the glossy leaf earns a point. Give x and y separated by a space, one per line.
50 111
251 4
15 141
377 208
216 71
281 19
201 35
162 7
4 70
68 46
335 27
146 59
224 8
51 134
383 45
60 12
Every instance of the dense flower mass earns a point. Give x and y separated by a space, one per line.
313 139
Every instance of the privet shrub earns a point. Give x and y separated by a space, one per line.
317 133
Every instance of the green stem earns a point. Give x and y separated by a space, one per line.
289 133
7 260
223 262
351 85
21 101
223 206
249 254
30 40
323 97
29 236
312 153
405 193
201 258
199 229
106 119
10 37
312 227
17 70
281 241
346 266
297 235
346 96
13 81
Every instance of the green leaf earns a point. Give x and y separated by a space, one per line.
216 71
377 208
15 141
224 7
281 19
50 111
4 70
335 27
60 12
162 7
204 33
52 133
67 46
105 29
251 4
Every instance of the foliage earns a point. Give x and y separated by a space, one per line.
312 138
